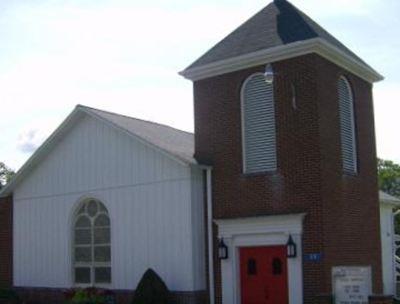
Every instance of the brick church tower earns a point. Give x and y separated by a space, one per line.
284 116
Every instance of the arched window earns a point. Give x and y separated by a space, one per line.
91 244
347 126
258 125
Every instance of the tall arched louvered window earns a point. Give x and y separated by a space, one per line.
258 125
91 244
347 126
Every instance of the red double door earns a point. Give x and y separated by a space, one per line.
263 275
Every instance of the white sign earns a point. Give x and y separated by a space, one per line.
351 285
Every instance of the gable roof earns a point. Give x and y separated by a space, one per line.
278 25
176 144
388 199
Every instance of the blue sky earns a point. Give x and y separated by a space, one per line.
124 55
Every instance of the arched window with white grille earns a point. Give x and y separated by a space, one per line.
347 126
258 125
91 244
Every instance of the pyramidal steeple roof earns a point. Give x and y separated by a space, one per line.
278 25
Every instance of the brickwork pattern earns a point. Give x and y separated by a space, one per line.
381 300
6 242
309 177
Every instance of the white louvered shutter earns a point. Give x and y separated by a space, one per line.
259 145
347 127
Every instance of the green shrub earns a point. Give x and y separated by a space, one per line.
8 296
151 290
89 296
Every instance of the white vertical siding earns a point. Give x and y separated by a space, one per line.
258 123
149 198
387 237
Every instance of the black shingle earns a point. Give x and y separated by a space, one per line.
278 24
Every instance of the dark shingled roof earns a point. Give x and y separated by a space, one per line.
278 24
173 141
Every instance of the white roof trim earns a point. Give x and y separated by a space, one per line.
136 137
388 199
52 139
261 224
36 156
295 49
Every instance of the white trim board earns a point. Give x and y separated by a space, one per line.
57 135
260 231
316 45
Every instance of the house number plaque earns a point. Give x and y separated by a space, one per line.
351 285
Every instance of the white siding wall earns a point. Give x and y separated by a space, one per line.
149 198
387 236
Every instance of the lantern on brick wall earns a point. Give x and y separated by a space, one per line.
269 74
222 250
291 248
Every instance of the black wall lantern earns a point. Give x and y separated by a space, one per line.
291 248
222 250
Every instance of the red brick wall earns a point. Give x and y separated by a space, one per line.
309 177
6 242
350 202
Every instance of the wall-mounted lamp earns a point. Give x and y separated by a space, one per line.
222 250
291 248
269 74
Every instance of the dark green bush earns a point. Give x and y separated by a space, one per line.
151 290
89 295
8 296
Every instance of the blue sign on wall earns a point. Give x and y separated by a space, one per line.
313 257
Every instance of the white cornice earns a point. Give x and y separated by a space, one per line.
288 223
295 49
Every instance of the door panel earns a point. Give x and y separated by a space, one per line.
263 275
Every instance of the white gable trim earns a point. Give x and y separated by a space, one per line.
295 49
41 151
387 199
136 137
52 140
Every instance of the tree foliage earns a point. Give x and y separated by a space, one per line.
5 174
389 177
389 182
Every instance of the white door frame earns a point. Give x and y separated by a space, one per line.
260 231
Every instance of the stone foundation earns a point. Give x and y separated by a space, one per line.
56 296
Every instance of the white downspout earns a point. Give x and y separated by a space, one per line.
210 236
394 214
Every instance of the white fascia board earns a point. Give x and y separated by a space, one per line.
388 199
138 138
392 203
40 152
291 223
52 139
295 49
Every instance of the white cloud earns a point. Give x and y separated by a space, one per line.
34 134
30 140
